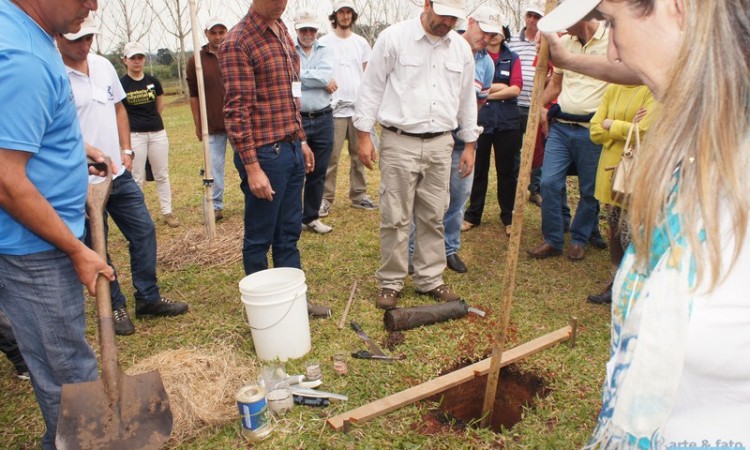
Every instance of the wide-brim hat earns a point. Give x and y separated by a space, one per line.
567 14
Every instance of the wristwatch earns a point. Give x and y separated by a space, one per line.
128 152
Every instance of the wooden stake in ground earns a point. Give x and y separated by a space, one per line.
509 277
208 181
348 305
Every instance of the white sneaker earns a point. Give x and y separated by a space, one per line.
325 209
317 226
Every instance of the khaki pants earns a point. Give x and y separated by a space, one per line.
415 175
343 129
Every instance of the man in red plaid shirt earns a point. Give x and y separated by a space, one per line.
260 68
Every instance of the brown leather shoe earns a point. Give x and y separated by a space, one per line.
544 251
576 252
387 298
442 293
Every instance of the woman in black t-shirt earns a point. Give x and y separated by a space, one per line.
144 103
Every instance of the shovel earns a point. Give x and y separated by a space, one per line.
117 411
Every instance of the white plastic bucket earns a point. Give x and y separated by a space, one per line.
275 308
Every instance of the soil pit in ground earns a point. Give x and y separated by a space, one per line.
516 390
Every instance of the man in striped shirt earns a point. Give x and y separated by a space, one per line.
260 68
525 47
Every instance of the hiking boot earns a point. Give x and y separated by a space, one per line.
364 203
387 298
442 293
316 226
318 311
171 220
123 325
160 308
325 209
218 215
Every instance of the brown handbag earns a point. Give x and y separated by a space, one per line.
621 182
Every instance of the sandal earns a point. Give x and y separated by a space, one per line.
466 226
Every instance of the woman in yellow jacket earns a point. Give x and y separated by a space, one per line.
621 106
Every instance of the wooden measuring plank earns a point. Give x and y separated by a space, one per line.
445 382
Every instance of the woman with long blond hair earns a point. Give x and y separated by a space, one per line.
679 371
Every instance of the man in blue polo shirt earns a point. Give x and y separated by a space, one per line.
43 183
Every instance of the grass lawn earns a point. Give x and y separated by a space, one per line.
548 293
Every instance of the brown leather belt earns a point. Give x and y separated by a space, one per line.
416 135
290 137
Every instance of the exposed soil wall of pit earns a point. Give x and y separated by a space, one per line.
516 390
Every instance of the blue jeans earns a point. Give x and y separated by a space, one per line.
42 296
217 145
127 207
460 189
276 224
568 144
319 132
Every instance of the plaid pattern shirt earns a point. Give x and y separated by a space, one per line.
258 69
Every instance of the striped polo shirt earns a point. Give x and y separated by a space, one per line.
526 51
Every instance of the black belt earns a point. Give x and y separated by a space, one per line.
416 135
290 137
314 114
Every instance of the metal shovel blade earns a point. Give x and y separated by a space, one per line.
138 418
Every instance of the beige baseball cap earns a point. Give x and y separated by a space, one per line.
338 4
133 48
490 20
214 21
306 18
566 14
454 8
87 27
536 7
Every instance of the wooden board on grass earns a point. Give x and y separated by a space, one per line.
445 382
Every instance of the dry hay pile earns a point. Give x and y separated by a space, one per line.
202 385
193 248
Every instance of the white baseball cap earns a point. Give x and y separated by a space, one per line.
338 4
566 14
454 8
536 7
214 21
306 18
490 20
133 48
87 27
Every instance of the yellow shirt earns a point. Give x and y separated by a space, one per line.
582 94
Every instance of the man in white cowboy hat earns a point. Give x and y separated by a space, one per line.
420 86
352 54
316 74
215 32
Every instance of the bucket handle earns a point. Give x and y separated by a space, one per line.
246 319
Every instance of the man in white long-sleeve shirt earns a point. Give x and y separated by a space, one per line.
419 86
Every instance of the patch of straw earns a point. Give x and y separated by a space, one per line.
202 384
193 248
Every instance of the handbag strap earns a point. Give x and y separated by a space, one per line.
628 151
